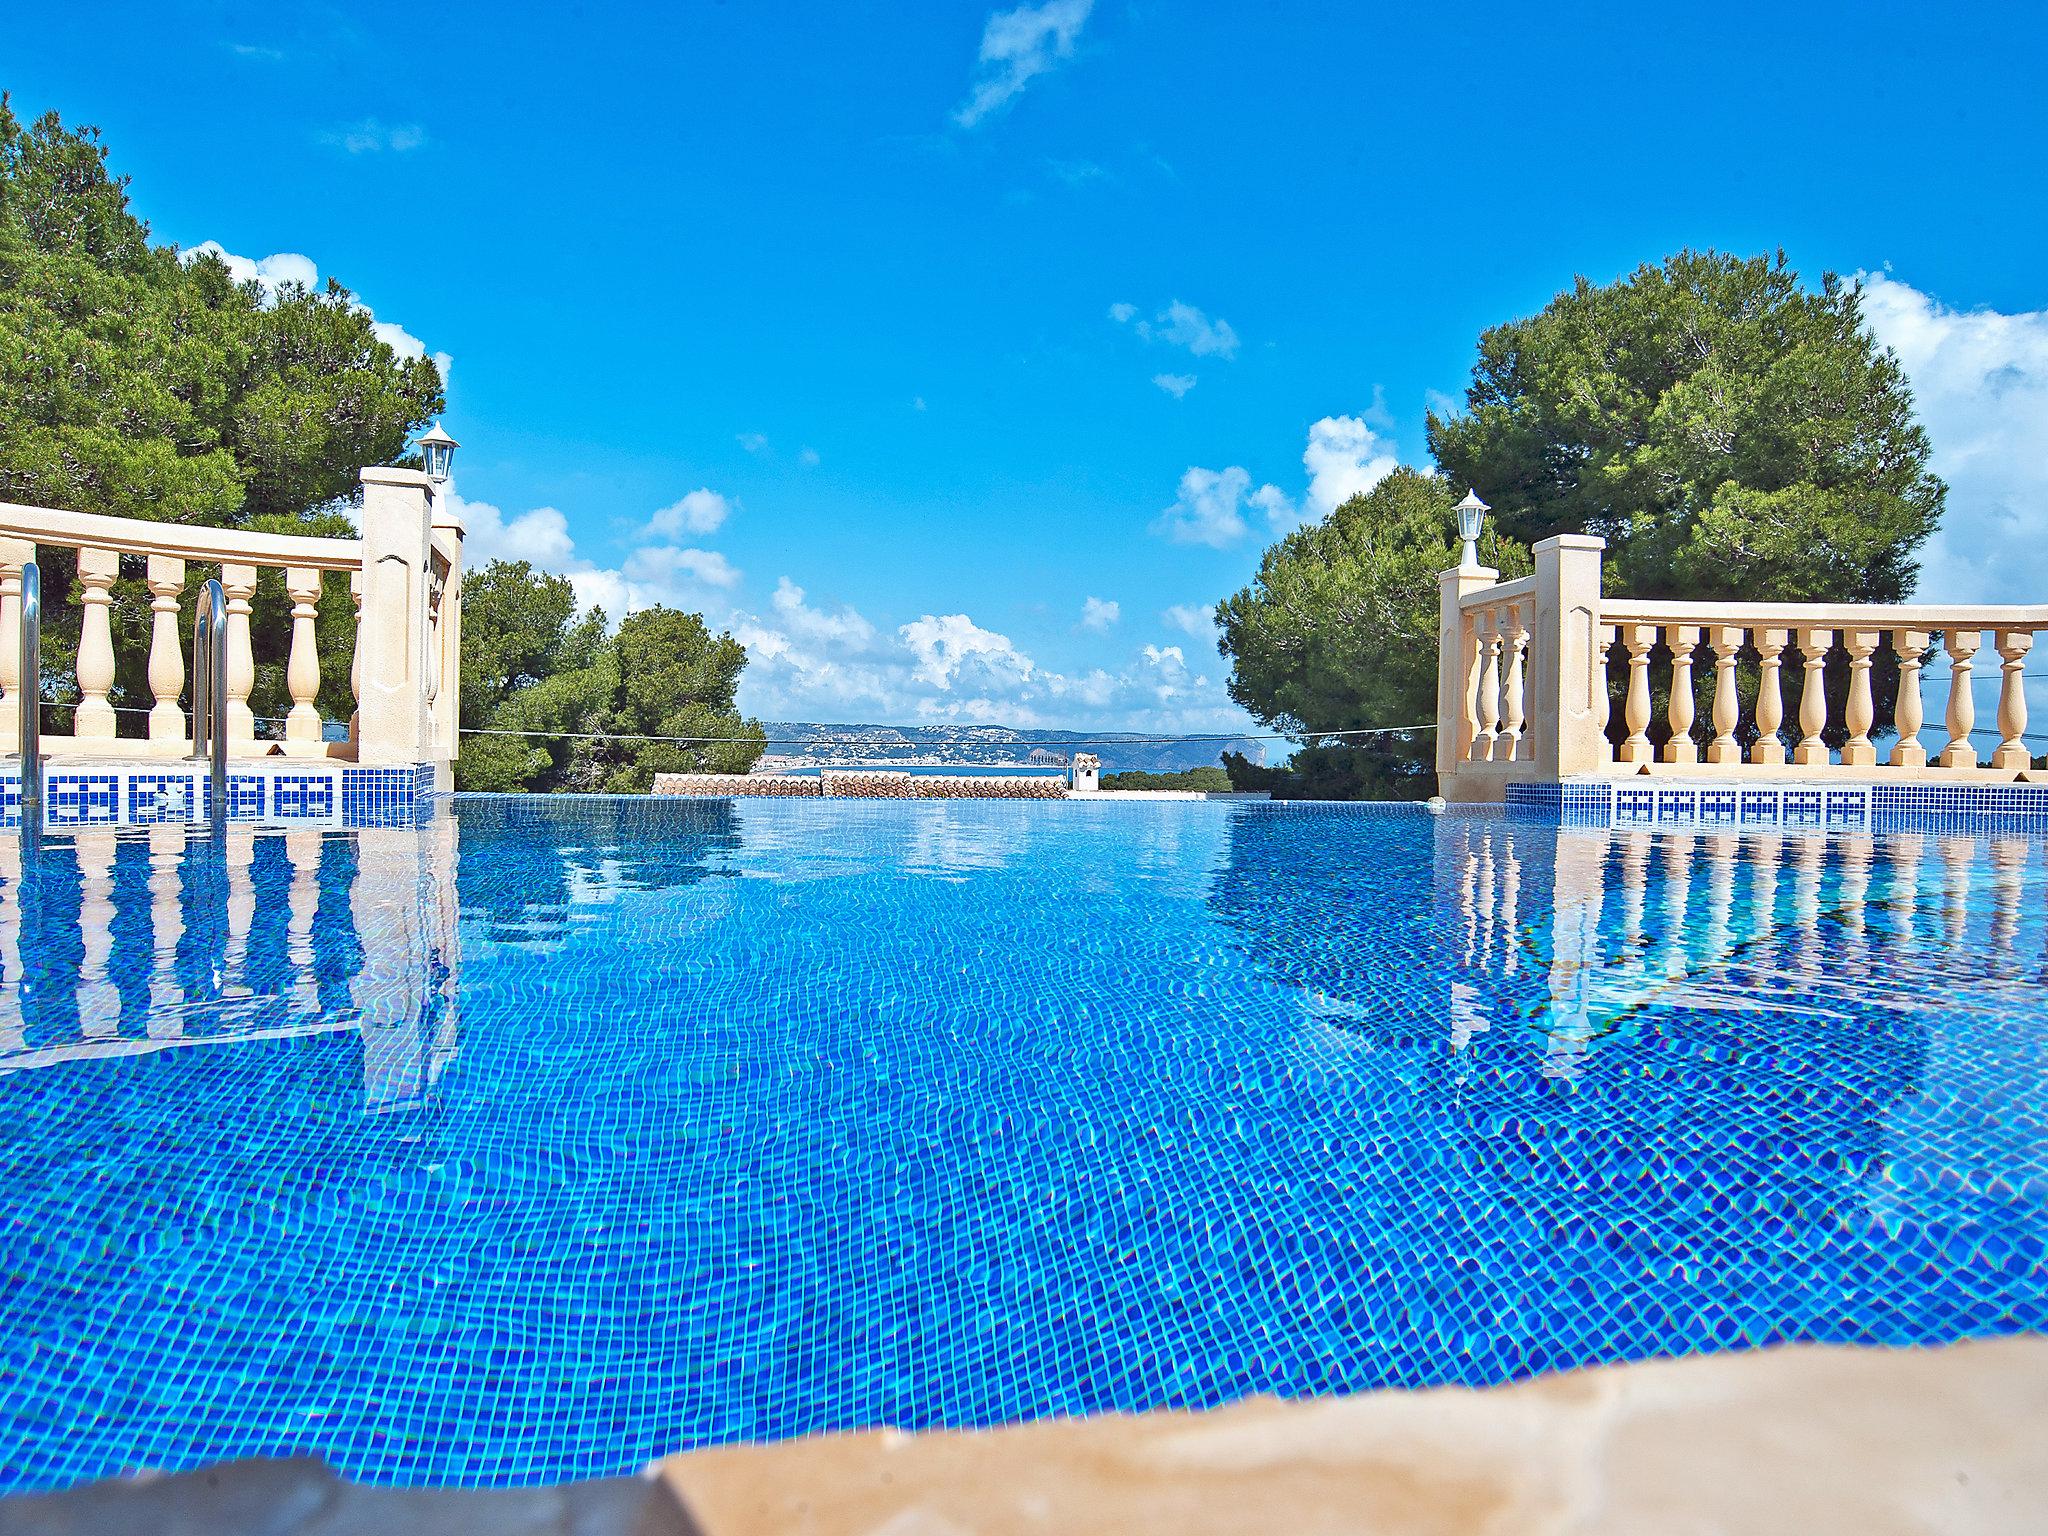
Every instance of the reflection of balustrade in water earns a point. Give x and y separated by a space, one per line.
1622 925
122 944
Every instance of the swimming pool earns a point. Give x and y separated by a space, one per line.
551 1136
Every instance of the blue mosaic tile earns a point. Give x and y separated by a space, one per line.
10 799
1677 805
81 799
565 1133
1759 807
163 797
1847 807
1635 807
1717 807
1800 808
298 796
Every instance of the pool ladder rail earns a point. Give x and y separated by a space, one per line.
209 696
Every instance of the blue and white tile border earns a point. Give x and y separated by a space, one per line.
1810 805
159 791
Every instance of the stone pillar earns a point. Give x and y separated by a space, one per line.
392 631
448 532
1087 773
1456 671
14 554
1567 685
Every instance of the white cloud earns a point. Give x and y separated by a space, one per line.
664 569
272 273
540 537
952 647
1017 47
1182 325
1344 458
1193 619
845 628
1980 386
808 458
370 137
1175 384
753 442
1100 613
702 511
1209 508
917 403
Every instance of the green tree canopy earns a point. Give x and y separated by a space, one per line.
139 384
583 697
1729 432
1338 631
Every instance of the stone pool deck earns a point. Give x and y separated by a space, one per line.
1795 1441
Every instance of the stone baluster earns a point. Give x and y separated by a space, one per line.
302 671
97 569
1639 638
1858 713
1727 642
1770 697
1514 740
1911 644
1603 702
1683 640
166 655
1961 646
1487 702
355 670
1814 645
2012 646
14 554
238 582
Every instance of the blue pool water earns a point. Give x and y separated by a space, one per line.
553 1136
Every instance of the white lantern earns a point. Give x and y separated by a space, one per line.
1471 518
437 448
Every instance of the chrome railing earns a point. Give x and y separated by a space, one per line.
31 684
210 693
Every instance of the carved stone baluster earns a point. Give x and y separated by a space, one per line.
1682 638
14 554
1487 701
1858 713
1770 697
166 655
2012 646
1515 741
1727 641
238 582
1639 638
1603 641
1814 645
302 671
1911 644
1961 646
355 671
97 569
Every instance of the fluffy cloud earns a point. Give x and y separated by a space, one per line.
952 648
1016 48
702 511
1100 613
272 273
753 442
540 537
1195 620
664 568
1175 384
1344 458
1980 384
1181 325
370 137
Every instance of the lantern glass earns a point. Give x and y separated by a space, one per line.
1469 521
438 456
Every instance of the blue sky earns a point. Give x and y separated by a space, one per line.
960 358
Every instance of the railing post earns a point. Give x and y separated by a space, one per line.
302 670
1486 634
166 655
1683 639
1456 669
1770 696
1814 645
238 582
1859 713
392 631
94 717
2012 646
1636 749
447 526
1726 640
1961 645
1911 644
1567 686
14 554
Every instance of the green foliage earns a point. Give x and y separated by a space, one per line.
1210 780
529 664
1730 433
138 385
1338 631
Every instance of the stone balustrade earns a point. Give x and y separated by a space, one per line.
404 573
1544 678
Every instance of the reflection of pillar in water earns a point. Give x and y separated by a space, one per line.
1721 849
1959 856
302 851
1580 889
2008 872
1902 890
131 935
1486 898
337 945
166 928
1764 853
239 850
1809 857
1510 904
1854 850
99 1001
1468 887
10 944
198 966
1677 902
1635 887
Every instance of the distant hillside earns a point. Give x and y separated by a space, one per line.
982 745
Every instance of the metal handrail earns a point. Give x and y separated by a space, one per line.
210 692
30 695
